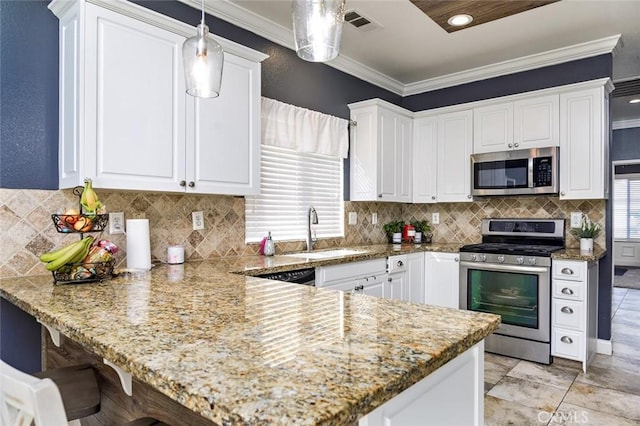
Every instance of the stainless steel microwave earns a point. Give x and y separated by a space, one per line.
518 172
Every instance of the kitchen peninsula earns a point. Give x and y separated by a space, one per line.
236 349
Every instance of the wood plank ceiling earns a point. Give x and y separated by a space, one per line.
482 11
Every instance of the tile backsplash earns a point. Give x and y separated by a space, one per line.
27 229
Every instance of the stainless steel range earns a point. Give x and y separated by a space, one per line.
508 274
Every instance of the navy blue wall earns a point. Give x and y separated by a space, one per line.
28 95
626 144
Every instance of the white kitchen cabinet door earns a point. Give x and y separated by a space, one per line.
380 152
395 286
536 122
223 143
455 140
134 122
374 287
442 279
415 287
584 142
493 128
425 145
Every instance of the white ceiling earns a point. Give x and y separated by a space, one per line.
412 54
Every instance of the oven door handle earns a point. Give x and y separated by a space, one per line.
508 268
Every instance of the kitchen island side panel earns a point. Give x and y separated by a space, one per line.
20 336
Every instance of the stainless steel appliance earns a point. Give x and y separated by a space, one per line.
518 172
508 274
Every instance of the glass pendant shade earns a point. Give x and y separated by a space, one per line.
317 27
203 59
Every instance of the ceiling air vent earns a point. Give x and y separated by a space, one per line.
626 88
361 22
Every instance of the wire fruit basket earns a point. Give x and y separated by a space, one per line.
78 273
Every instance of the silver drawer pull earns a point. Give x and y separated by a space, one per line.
566 290
566 310
400 263
566 339
567 271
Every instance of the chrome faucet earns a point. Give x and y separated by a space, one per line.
312 218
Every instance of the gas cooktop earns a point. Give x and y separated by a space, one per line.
515 249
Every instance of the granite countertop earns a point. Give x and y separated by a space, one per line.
243 350
576 254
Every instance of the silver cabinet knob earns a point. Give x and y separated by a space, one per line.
566 290
566 310
379 195
567 271
455 259
516 144
400 263
566 339
192 184
183 183
433 197
510 145
469 196
562 193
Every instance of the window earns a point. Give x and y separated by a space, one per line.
291 182
626 207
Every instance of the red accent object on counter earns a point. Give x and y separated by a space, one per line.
262 243
408 233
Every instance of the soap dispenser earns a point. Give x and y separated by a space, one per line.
269 246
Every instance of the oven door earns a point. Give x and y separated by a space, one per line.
519 294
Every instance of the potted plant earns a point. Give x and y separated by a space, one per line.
393 230
423 231
587 231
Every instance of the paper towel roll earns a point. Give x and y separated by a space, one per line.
138 244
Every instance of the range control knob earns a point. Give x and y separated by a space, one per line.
500 259
473 257
483 258
519 260
532 261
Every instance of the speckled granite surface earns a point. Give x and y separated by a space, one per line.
575 254
243 350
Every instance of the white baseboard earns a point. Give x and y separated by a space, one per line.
604 347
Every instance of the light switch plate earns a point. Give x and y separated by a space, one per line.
435 218
374 218
576 219
198 220
116 223
353 218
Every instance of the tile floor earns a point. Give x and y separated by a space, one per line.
525 393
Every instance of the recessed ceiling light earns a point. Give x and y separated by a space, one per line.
635 101
460 20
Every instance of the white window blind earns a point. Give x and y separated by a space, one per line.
626 208
291 182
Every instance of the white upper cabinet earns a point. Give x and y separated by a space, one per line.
455 140
584 142
522 124
125 119
380 152
425 158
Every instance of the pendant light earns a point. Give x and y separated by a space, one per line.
203 58
317 27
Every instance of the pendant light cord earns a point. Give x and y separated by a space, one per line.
202 12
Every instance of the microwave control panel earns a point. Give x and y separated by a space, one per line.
542 171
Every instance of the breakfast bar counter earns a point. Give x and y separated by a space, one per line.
236 349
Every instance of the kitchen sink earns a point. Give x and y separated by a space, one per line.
326 254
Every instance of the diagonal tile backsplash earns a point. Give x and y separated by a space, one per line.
27 229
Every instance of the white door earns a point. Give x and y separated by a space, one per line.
493 128
135 102
374 287
442 279
425 161
223 149
455 136
388 155
537 122
395 285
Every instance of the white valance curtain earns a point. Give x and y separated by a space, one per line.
303 130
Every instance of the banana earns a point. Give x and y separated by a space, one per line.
89 199
78 251
53 255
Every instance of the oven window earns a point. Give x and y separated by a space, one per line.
512 295
501 174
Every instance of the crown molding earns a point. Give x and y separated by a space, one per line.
233 13
625 124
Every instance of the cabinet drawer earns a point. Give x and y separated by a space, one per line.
568 313
571 290
327 275
567 344
568 270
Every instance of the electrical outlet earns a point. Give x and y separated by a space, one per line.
435 218
353 218
198 220
374 218
576 219
116 223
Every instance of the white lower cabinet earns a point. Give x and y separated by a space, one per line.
367 276
442 279
574 310
415 277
